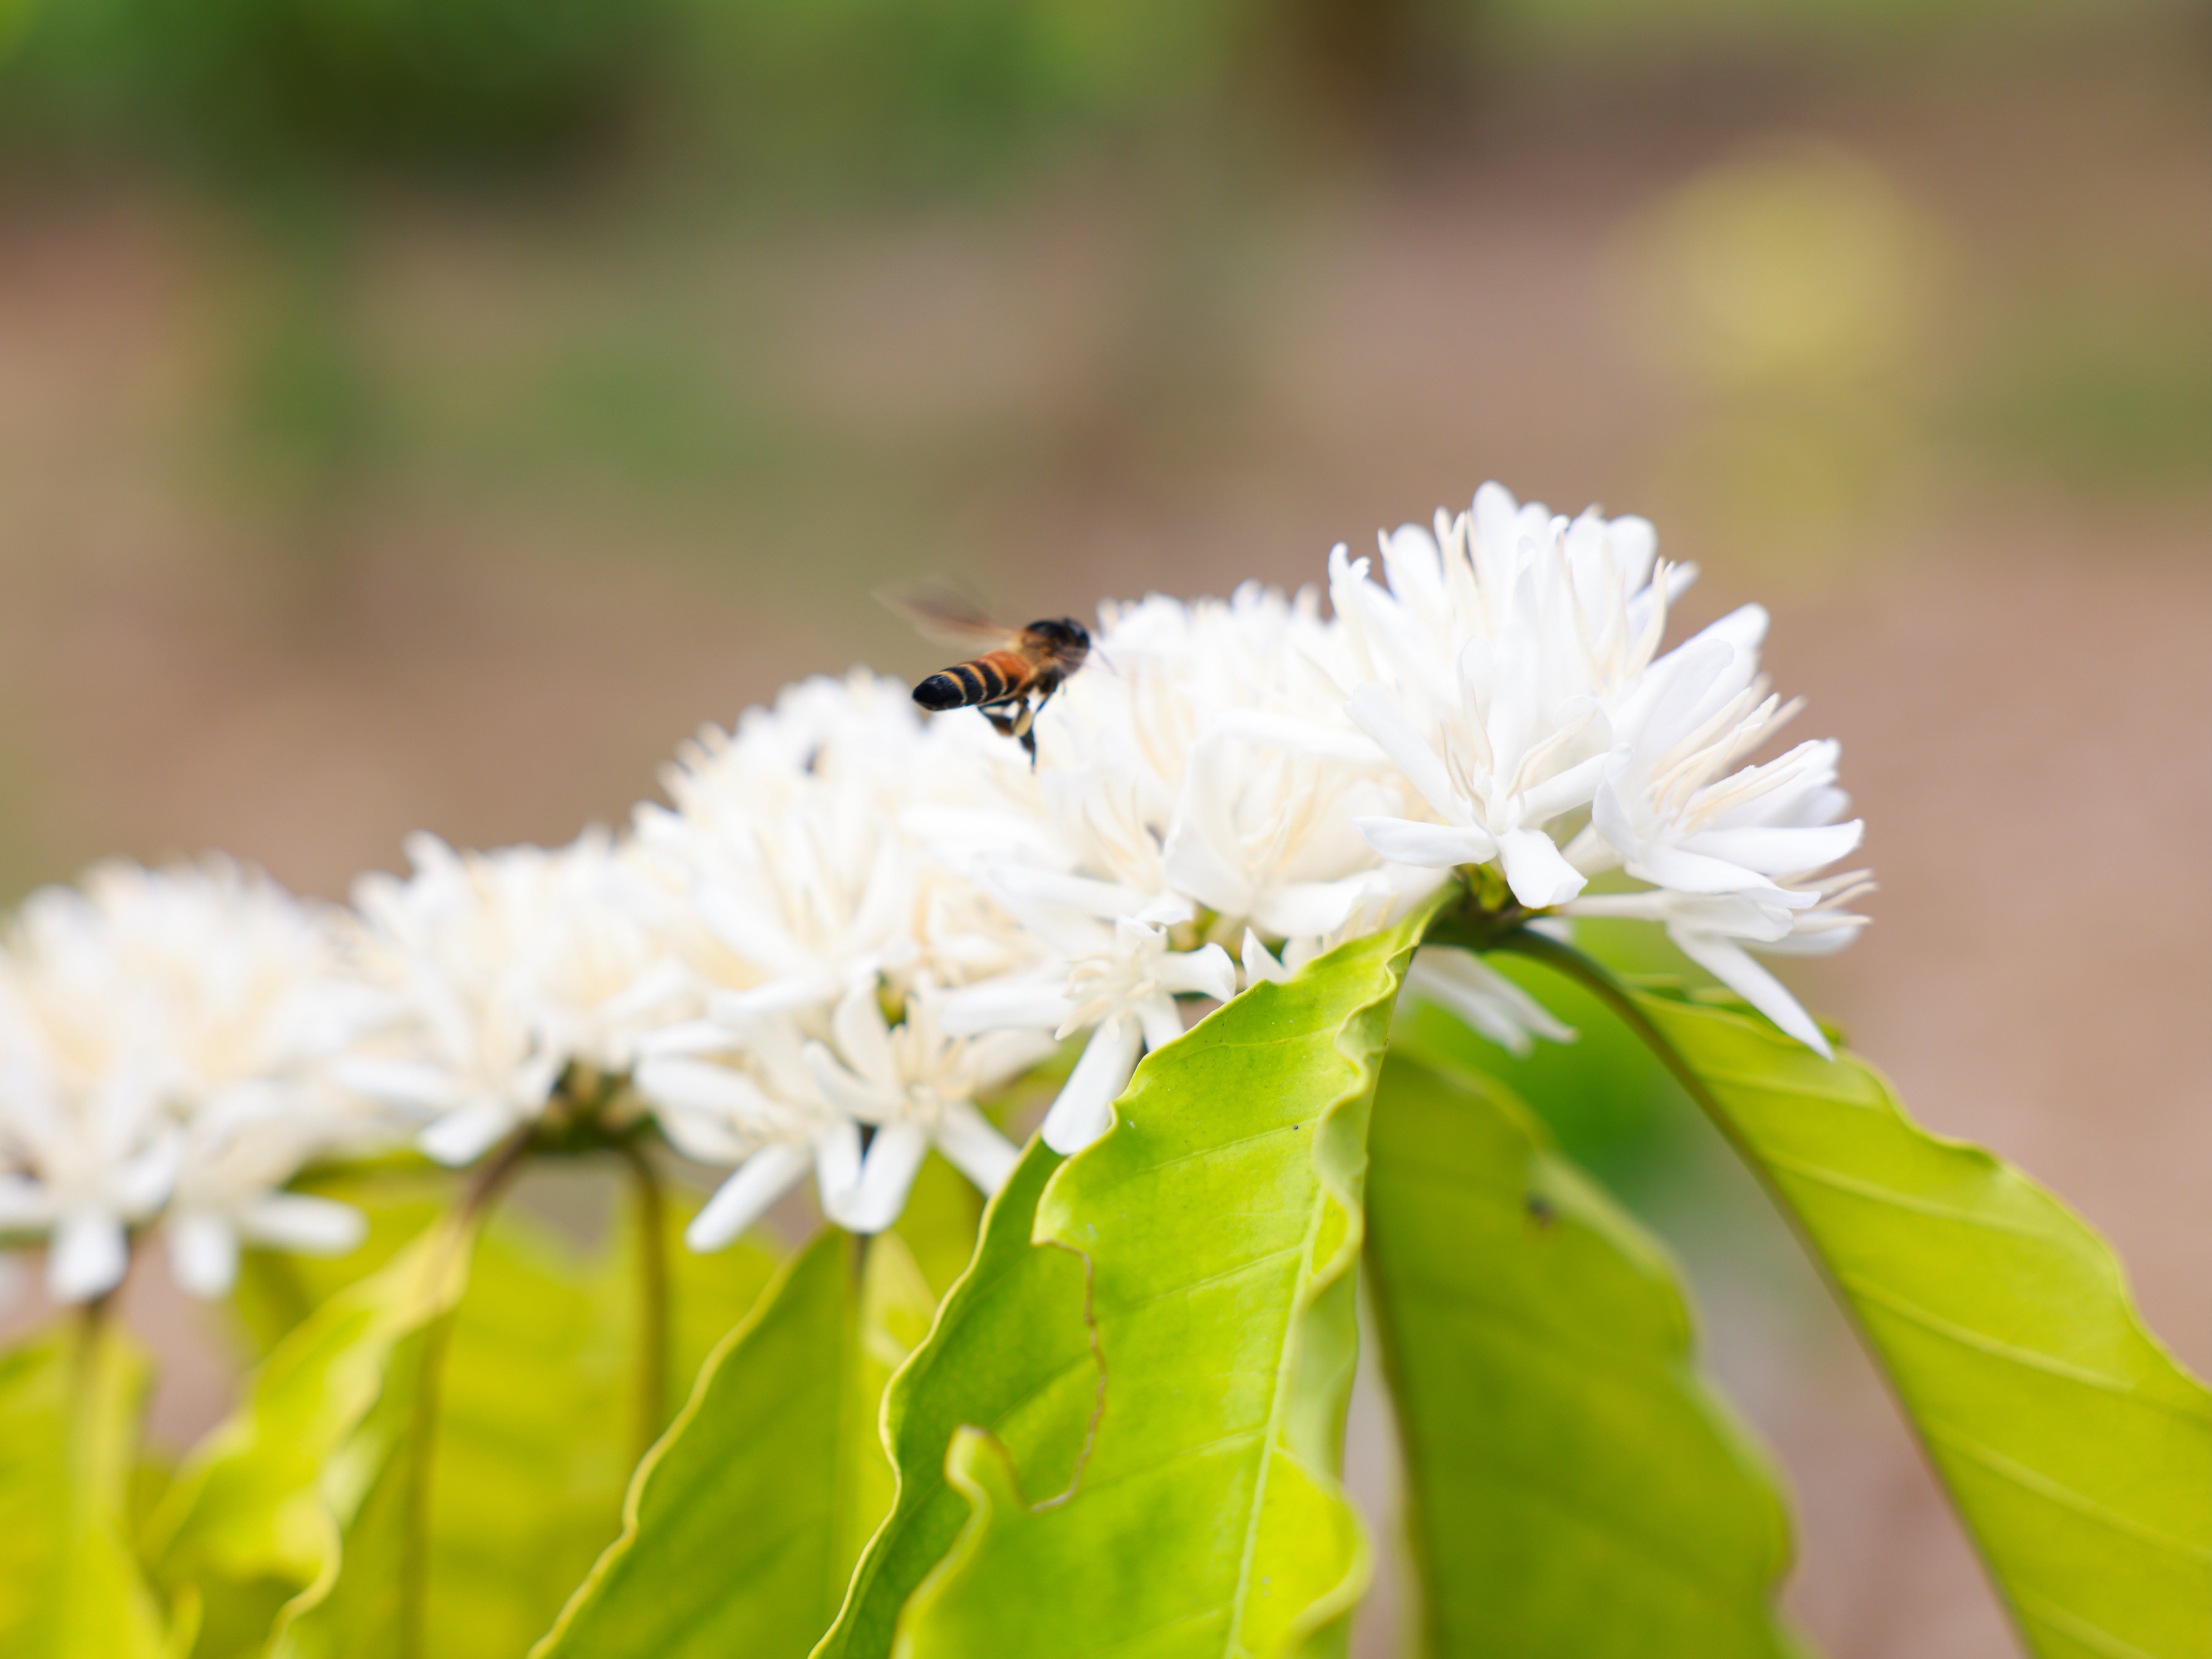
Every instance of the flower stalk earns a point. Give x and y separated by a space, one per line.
485 1183
653 1292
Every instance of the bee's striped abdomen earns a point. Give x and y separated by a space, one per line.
991 678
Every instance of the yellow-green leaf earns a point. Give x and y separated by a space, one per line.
251 1531
1575 1489
2078 1452
741 1526
537 1417
70 1587
1011 1351
1220 1221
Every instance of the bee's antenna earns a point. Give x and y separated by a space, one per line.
1109 661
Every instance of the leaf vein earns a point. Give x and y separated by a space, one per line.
1890 1196
1225 1275
1996 1348
2035 1480
2081 1630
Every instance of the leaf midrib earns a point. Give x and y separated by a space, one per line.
1278 1409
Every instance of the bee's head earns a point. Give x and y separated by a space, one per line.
1065 634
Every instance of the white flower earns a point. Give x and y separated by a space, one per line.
757 1092
500 970
1203 765
163 1042
1509 670
1717 930
801 899
1487 1001
918 1086
739 1090
1115 976
787 855
1732 853
1490 663
1671 809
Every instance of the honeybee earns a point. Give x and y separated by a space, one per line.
1015 670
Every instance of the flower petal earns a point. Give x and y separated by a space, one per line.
87 1257
1085 1109
202 1252
699 1085
23 1203
975 1148
463 1136
1260 963
403 1083
740 1201
1431 845
1538 874
886 1176
1159 1019
777 996
1000 1005
1735 968
303 1222
856 1097
1207 971
1302 909
864 1036
1485 998
689 1036
1563 791
1778 851
1194 863
1300 737
1376 712
1688 873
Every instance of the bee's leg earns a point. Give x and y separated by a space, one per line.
1027 725
1001 722
1024 727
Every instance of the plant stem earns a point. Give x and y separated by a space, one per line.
653 1295
86 1402
485 1184
1593 977
494 1173
421 1456
89 1323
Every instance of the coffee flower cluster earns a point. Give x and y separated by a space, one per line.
851 927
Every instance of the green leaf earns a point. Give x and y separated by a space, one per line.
69 1586
741 1526
538 1426
943 1213
251 1532
276 1290
1011 1351
1574 1487
1220 1219
2078 1452
1608 1100
538 1409
538 1418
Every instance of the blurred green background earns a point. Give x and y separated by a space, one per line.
424 412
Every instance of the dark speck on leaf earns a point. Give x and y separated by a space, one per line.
1540 1210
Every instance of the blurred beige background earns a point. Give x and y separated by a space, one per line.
377 452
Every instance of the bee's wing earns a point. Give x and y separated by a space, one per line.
945 614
